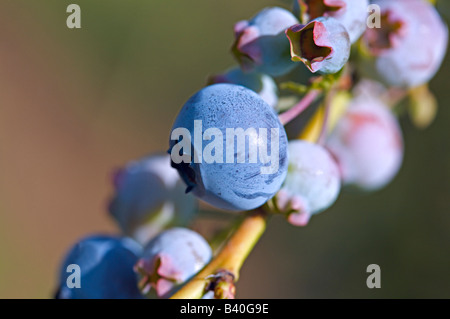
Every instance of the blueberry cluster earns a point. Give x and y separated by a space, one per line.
229 150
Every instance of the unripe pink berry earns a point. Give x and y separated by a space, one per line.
367 144
409 47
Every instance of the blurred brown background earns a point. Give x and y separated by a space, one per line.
74 104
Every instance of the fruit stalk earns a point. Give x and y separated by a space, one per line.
230 259
326 116
297 109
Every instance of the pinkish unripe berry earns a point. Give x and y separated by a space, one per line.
367 144
410 46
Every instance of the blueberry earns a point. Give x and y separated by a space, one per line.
170 259
149 196
106 269
367 144
260 44
312 183
323 45
233 168
352 14
410 46
261 83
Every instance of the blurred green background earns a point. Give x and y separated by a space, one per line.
74 104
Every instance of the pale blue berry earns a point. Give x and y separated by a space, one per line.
149 196
312 183
260 44
323 45
170 259
262 84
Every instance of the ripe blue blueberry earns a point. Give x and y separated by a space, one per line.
323 45
410 46
262 84
244 161
260 44
106 269
312 183
352 14
170 259
149 196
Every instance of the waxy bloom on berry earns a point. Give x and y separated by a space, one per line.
352 14
312 183
260 44
149 196
105 268
323 45
409 47
367 144
261 83
170 259
229 147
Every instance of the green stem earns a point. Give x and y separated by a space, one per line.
230 258
219 239
326 115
